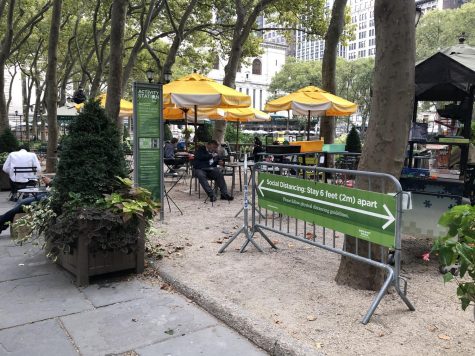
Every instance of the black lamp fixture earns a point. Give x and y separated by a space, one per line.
167 76
418 15
149 73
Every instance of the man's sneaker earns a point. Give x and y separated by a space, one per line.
227 197
212 198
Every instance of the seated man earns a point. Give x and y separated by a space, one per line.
18 208
21 158
169 156
205 163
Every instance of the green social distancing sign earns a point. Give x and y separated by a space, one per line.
367 215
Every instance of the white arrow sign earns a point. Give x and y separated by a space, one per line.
389 217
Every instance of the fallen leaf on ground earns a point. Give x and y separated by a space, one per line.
275 242
218 241
309 236
311 317
169 332
318 345
290 245
432 328
277 321
444 337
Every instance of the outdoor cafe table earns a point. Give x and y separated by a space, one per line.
32 190
239 166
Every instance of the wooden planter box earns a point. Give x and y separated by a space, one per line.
82 263
4 181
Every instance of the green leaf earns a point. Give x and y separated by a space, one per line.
465 303
448 277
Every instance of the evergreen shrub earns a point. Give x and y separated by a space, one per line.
8 141
91 158
353 142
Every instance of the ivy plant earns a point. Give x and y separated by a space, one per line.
458 247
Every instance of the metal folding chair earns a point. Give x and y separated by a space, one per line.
15 186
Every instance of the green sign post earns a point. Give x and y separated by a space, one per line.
148 138
367 215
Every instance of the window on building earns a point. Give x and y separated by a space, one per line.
361 44
371 32
256 66
260 99
253 98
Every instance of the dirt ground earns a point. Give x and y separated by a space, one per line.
293 288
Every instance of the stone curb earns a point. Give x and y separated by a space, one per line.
261 333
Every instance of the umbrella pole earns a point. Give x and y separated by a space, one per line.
237 136
186 130
288 119
308 126
195 139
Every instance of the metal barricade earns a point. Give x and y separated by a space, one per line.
316 205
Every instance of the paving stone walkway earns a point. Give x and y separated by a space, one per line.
43 313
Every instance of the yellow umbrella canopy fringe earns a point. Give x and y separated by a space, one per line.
126 107
313 99
197 90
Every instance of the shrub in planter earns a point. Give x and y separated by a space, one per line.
8 141
458 248
92 209
353 141
167 133
204 133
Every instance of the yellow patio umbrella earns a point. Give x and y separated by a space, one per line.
236 115
126 107
312 100
249 114
197 91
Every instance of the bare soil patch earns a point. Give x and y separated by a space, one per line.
293 288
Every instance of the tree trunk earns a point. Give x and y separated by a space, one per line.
391 112
178 39
38 110
51 88
114 82
10 88
332 38
242 29
5 46
3 102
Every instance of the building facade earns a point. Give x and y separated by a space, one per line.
362 18
255 77
427 5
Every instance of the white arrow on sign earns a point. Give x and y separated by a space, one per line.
389 217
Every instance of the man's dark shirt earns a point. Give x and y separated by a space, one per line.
203 157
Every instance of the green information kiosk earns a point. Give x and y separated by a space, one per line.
148 139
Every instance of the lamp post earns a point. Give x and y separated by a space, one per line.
21 130
149 73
